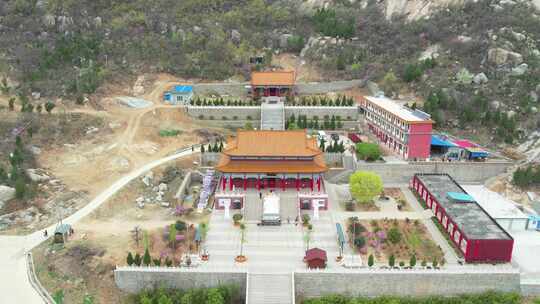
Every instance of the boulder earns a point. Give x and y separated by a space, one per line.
534 110
534 96
37 175
374 89
520 69
236 37
480 78
501 56
165 204
510 114
35 150
6 193
463 39
163 187
495 105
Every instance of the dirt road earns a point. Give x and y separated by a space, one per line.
15 287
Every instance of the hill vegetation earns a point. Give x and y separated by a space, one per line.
477 66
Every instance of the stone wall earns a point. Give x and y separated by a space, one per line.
346 113
210 159
463 172
333 160
374 283
237 116
241 112
136 279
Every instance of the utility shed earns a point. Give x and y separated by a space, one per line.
477 235
179 95
61 233
503 210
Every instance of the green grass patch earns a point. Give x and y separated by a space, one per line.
169 133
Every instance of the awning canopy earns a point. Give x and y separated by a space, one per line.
463 143
438 141
460 197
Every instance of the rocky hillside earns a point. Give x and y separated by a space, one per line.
474 65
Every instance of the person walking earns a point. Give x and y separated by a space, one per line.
45 233
260 195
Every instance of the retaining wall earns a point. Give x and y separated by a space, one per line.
346 113
463 172
243 114
373 283
210 158
136 279
333 160
218 112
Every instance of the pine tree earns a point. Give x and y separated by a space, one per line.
371 260
137 260
202 149
412 261
129 259
147 259
220 146
11 104
392 260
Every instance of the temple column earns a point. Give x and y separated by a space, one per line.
311 183
319 184
283 186
224 182
258 182
297 183
245 183
230 183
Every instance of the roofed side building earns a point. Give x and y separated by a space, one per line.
272 83
405 131
473 231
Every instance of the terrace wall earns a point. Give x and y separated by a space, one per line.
243 114
136 279
463 172
372 283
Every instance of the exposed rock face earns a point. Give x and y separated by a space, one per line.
501 56
480 78
6 193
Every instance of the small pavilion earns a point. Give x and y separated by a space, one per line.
315 258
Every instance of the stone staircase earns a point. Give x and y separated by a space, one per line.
270 288
272 116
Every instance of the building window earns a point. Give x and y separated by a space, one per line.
457 235
464 246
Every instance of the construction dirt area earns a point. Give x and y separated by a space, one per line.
84 264
111 139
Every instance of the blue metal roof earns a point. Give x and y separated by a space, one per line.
183 89
460 196
437 141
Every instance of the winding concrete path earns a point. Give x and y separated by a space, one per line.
14 284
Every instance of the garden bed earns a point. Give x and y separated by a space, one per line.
399 198
400 238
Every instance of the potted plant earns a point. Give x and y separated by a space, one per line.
305 219
241 257
237 218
